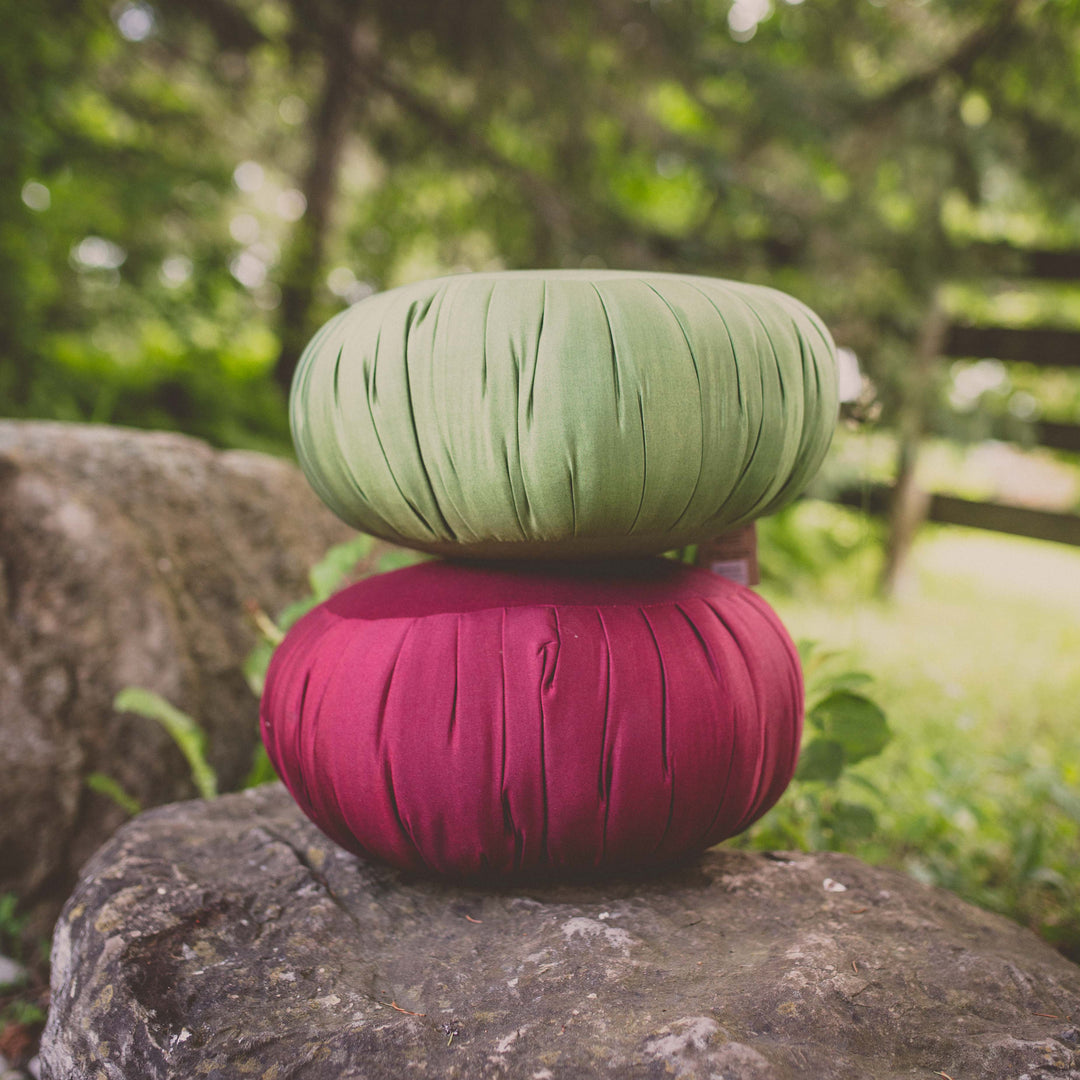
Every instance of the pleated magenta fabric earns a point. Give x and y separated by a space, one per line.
473 719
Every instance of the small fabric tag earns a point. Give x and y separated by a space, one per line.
737 570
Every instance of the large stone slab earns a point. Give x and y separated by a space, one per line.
126 559
231 939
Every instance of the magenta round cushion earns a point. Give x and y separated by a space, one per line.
476 720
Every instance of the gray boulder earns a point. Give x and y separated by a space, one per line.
126 559
232 940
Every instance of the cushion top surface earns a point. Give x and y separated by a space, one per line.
561 414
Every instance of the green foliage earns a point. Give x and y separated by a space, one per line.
332 571
345 562
975 668
825 807
12 925
22 1012
21 1003
117 299
185 732
850 728
1003 832
258 660
811 547
847 153
103 784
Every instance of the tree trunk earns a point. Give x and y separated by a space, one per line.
909 504
304 260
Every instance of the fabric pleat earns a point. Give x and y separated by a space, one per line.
562 414
474 719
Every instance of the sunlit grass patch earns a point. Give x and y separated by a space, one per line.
977 665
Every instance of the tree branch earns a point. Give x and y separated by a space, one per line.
563 216
959 62
228 23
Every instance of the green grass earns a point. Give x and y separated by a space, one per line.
977 665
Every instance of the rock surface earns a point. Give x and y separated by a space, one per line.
231 939
126 559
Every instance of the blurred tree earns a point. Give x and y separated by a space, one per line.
220 176
120 289
34 58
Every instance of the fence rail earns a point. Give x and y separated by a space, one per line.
1045 433
1042 346
1043 264
1058 436
993 516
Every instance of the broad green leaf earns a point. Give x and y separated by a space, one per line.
187 734
330 572
853 721
853 821
295 611
261 771
849 680
396 558
821 759
255 666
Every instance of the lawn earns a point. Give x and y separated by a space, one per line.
977 666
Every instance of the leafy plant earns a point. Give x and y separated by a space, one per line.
998 829
343 563
22 1013
186 733
826 807
12 925
22 999
106 785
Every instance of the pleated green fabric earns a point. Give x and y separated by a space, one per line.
564 413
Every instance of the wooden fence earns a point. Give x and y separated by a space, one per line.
994 516
1044 347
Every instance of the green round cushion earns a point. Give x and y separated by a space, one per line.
564 413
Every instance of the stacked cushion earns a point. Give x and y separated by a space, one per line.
553 701
564 414
477 719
